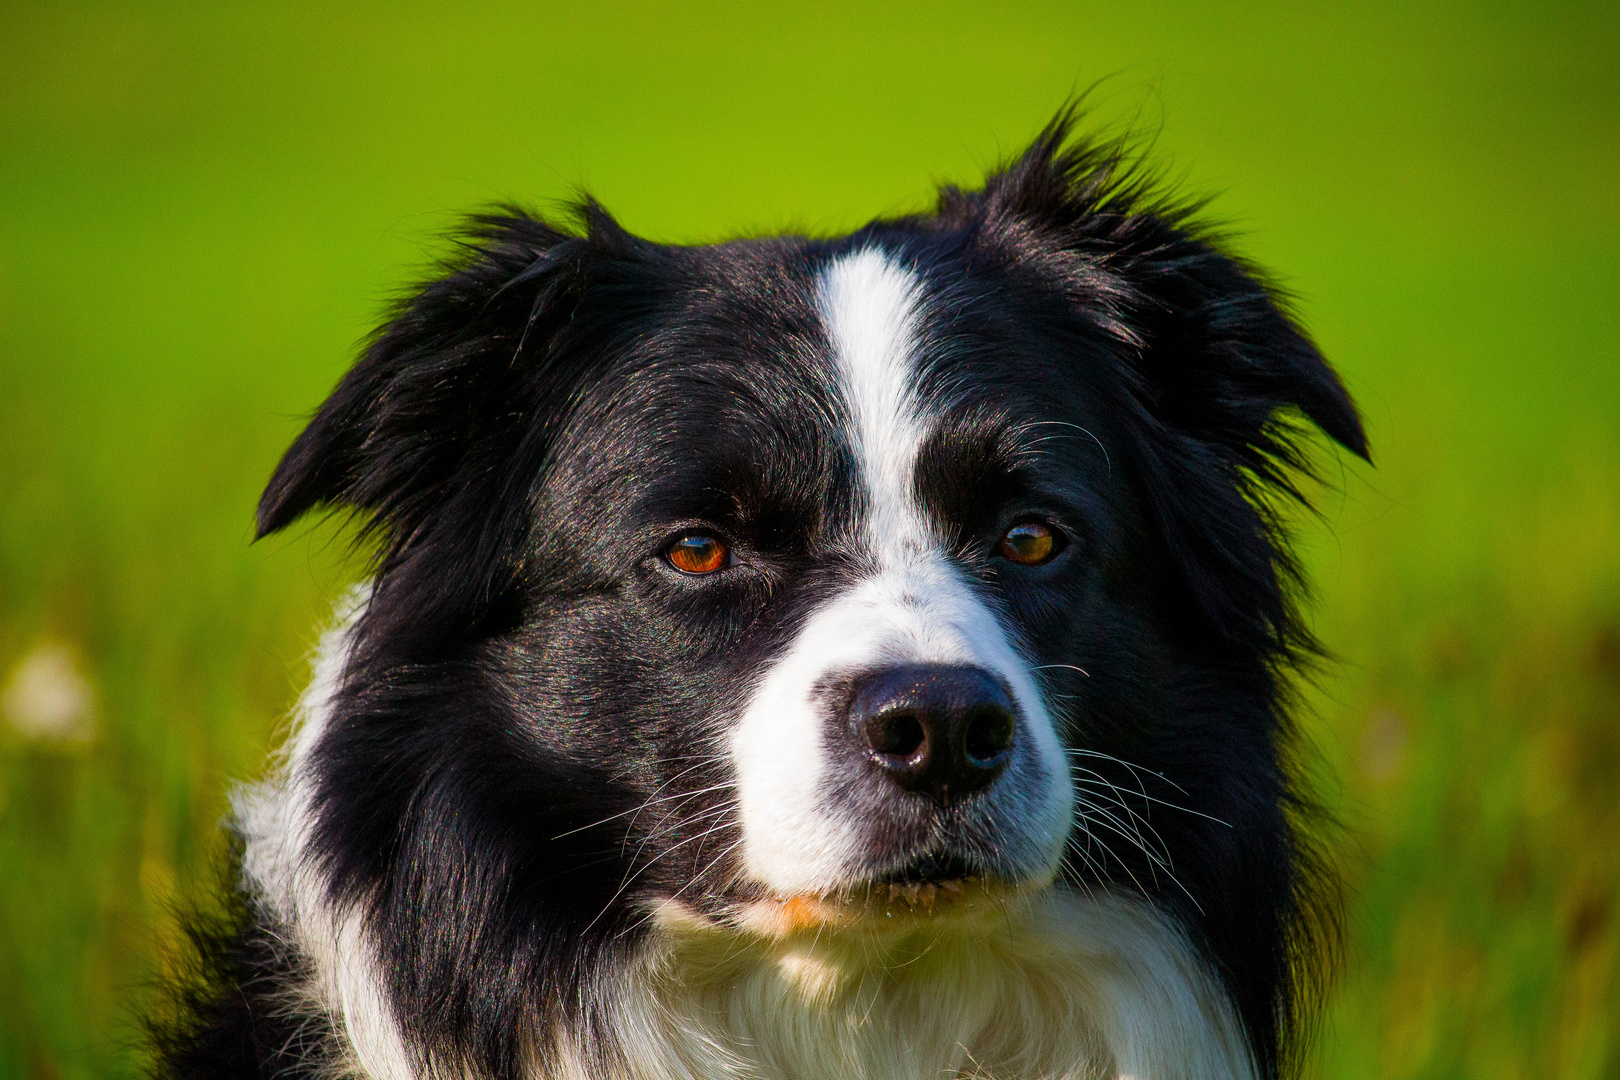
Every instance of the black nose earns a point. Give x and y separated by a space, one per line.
944 732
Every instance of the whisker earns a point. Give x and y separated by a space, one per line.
1128 871
1184 809
1114 825
1076 772
659 831
1143 795
1061 423
666 783
1121 761
713 811
673 803
1141 789
653 799
1085 853
1168 872
638 808
1137 823
625 884
728 849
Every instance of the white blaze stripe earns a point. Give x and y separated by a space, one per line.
915 607
870 308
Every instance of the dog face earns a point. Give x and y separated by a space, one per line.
852 669
764 580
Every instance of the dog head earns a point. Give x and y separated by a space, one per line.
779 579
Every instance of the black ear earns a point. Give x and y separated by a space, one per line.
1221 373
1216 372
422 436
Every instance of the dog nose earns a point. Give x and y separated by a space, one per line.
940 731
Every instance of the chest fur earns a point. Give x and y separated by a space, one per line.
1063 987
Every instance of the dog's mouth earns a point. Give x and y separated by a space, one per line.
930 888
933 868
935 877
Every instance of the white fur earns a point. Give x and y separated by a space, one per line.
275 819
1049 986
914 606
872 311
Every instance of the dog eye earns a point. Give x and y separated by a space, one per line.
698 553
1029 543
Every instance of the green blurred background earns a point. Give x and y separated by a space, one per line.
203 209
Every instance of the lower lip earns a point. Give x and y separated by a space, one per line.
882 906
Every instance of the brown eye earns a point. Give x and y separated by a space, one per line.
698 554
1029 543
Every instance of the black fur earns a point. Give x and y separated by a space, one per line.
531 424
227 1010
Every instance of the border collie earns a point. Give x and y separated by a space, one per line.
799 658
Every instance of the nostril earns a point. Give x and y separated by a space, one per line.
939 730
989 734
895 734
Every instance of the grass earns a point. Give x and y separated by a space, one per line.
201 211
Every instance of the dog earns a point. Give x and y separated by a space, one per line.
800 658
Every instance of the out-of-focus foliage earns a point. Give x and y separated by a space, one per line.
203 209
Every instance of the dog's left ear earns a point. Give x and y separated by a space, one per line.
1214 369
1221 373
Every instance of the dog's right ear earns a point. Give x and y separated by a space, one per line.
431 400
435 437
